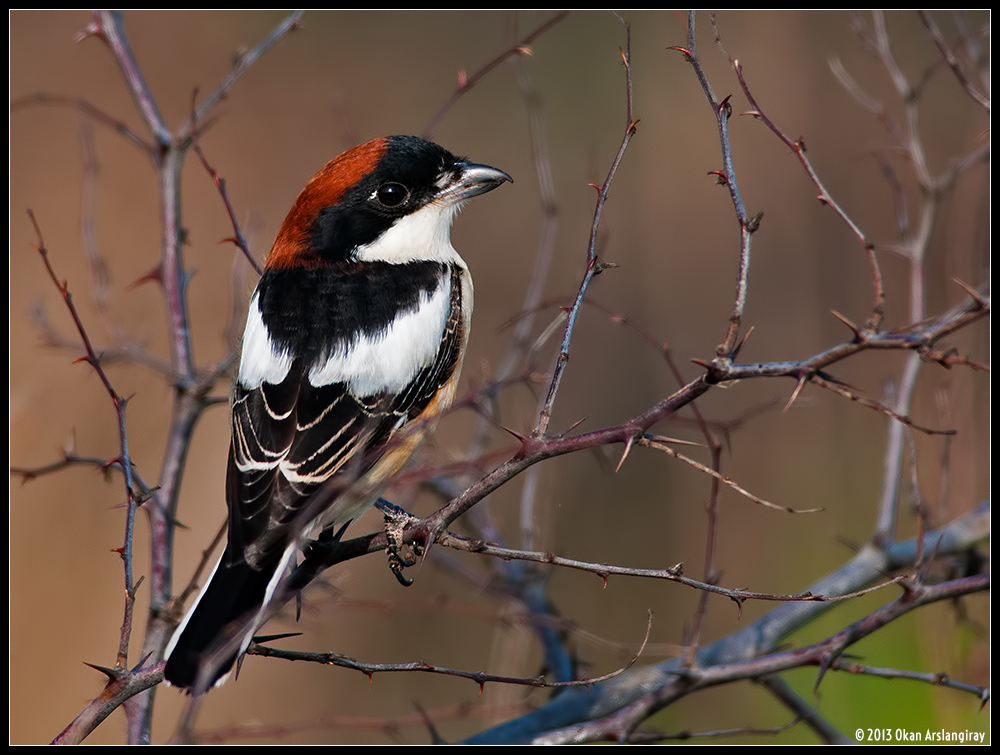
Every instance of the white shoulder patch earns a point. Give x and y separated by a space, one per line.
261 361
391 359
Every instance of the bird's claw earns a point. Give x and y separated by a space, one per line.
395 520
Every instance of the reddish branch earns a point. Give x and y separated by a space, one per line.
220 184
123 461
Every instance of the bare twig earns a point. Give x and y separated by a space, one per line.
727 177
466 81
612 711
220 184
91 111
798 147
124 460
479 677
949 56
594 267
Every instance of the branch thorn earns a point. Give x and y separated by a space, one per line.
742 342
977 297
113 674
795 394
858 332
628 447
154 275
683 51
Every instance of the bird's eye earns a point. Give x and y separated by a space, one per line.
391 194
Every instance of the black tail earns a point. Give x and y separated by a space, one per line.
219 625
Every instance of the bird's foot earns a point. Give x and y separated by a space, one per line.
395 520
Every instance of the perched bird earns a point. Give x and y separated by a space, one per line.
353 344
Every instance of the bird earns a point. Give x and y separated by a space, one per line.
353 345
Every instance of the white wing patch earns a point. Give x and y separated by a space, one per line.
260 361
391 359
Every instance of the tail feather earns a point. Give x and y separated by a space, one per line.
221 622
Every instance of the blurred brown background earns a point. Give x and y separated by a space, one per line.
345 77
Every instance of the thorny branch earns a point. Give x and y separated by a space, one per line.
479 677
220 183
123 461
191 387
798 146
727 177
613 711
467 82
594 266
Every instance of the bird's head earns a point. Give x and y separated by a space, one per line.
391 199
